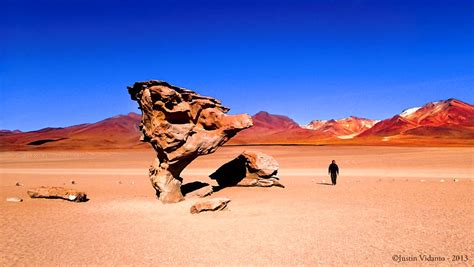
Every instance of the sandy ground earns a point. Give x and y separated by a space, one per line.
388 201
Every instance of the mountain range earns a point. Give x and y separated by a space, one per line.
447 122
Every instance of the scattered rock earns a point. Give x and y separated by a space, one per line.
251 168
269 182
261 164
57 192
197 188
18 184
119 182
180 125
455 180
204 191
212 204
14 199
73 182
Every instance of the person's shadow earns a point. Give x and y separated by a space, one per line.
324 183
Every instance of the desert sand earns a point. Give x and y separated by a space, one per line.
388 201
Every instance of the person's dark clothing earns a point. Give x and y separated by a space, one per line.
333 178
334 171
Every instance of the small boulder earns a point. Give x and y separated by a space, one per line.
204 191
14 199
250 168
212 204
53 192
18 184
261 164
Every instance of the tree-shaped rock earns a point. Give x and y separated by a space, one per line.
180 125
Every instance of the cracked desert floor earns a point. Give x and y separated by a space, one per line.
388 201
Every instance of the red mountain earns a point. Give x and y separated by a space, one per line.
393 126
116 132
448 118
444 122
275 129
448 112
8 132
269 121
343 128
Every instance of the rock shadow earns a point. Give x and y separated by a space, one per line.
230 174
191 187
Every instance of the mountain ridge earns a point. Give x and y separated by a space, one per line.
442 122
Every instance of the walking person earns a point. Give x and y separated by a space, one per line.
333 171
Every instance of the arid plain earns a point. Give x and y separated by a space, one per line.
403 201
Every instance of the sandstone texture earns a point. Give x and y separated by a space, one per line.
57 192
180 125
250 168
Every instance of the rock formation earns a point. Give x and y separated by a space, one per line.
180 125
251 168
57 192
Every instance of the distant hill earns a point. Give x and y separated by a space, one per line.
447 122
346 128
275 129
112 133
450 118
8 132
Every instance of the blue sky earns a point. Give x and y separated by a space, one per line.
69 62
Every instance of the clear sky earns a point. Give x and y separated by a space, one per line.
69 62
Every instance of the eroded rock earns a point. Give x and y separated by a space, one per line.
261 164
197 188
180 125
57 192
251 168
204 191
212 204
